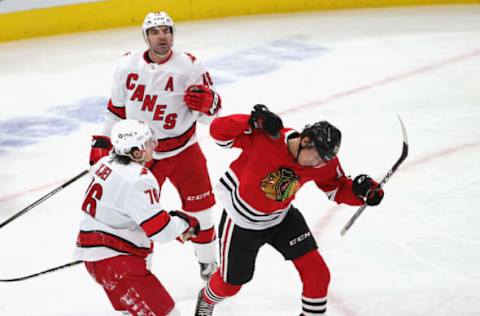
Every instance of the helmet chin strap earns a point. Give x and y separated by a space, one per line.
300 148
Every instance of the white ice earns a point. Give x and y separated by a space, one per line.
418 253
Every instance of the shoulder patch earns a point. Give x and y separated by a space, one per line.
192 58
144 171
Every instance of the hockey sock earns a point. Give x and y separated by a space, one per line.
217 290
314 306
315 277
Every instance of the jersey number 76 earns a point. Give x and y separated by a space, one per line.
93 195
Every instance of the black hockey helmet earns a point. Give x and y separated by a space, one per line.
325 137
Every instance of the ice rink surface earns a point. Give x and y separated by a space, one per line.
418 253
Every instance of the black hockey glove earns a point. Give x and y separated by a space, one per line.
262 118
367 189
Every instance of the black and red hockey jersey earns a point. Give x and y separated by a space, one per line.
261 183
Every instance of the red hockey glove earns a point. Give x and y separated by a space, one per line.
202 99
262 118
193 226
101 146
367 189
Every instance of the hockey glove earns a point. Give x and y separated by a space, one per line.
269 122
202 99
193 226
367 189
101 146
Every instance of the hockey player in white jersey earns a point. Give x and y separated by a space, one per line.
122 216
171 91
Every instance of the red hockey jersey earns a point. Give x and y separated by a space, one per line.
261 183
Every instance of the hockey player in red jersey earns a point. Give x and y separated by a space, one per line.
122 216
257 193
171 91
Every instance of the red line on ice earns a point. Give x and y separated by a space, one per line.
352 91
327 218
333 97
22 193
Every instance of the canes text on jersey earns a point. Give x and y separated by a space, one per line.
149 101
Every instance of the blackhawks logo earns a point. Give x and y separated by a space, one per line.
280 184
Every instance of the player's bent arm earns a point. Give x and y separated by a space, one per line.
338 186
345 194
230 131
163 228
142 204
200 94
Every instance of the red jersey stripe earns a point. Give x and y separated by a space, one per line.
172 143
205 236
118 111
87 239
155 224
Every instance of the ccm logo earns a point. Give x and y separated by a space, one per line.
198 197
300 238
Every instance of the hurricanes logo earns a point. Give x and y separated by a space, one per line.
280 185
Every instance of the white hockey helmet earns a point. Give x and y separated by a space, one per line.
154 19
129 134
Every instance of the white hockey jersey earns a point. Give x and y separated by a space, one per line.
153 93
122 214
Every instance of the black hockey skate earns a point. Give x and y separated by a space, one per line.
203 308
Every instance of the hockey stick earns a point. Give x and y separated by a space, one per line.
71 264
403 156
45 197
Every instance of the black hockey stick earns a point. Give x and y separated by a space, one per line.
71 264
403 156
45 197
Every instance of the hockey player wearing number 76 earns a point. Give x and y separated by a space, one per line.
257 193
122 216
171 91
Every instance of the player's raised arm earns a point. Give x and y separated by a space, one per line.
233 130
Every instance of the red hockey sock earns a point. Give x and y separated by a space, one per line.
314 274
217 289
315 278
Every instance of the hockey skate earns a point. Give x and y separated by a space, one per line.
203 308
207 269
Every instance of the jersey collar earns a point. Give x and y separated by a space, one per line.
148 60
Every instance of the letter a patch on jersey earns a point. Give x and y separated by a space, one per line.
280 185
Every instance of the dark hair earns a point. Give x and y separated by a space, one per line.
124 160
